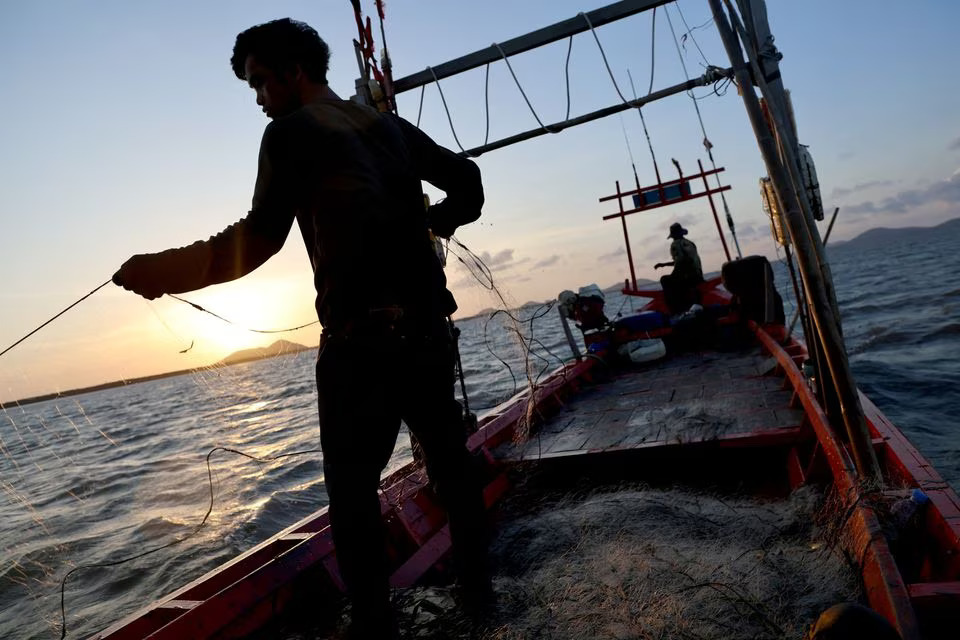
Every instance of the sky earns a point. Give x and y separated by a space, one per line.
123 130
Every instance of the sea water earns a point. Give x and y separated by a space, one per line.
98 477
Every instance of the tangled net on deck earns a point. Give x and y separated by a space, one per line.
645 563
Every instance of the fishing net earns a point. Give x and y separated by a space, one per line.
635 562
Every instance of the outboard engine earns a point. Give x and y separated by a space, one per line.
750 280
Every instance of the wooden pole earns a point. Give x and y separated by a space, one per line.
805 240
626 238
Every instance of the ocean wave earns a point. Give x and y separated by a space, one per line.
283 508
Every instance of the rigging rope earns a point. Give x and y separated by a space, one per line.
566 72
706 140
445 108
653 51
522 92
603 54
486 101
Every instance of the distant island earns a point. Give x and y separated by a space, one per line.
880 236
278 348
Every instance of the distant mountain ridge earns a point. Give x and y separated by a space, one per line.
880 236
278 348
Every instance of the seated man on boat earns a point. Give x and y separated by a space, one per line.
680 286
350 177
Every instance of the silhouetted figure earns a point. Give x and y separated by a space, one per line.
680 286
350 177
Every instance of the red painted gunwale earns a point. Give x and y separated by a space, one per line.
252 589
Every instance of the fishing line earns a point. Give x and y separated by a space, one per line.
219 317
168 328
485 278
206 516
55 317
690 33
706 140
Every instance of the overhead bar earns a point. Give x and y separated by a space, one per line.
532 40
713 74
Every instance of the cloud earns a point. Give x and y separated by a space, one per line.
943 191
839 192
955 145
747 231
469 273
547 262
498 259
613 255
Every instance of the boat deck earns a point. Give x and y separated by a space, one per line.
691 397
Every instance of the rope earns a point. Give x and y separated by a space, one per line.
445 108
219 317
603 54
486 102
622 98
522 92
486 97
706 140
55 317
653 50
566 73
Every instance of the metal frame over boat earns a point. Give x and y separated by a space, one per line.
825 433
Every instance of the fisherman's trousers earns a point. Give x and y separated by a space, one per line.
366 385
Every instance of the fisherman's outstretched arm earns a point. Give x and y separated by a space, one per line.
458 177
235 251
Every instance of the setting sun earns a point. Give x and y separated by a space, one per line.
263 306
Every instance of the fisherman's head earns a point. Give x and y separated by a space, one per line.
677 231
282 61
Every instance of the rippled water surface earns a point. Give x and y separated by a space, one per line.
98 477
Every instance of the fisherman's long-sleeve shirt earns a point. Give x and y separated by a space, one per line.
350 176
686 261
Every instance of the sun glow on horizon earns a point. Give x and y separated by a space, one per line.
245 307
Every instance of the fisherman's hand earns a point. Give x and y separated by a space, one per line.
140 275
440 224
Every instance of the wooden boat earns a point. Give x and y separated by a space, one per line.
749 423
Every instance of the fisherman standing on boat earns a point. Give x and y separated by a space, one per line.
351 178
679 287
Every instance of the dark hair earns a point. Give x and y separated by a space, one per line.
281 45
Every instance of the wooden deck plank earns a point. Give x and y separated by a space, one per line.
692 397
